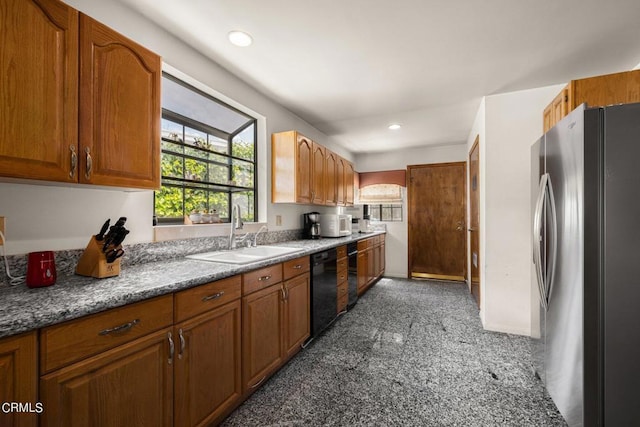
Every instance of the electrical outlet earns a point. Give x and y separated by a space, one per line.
278 219
2 228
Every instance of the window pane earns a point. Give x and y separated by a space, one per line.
218 174
385 214
243 174
397 213
184 100
171 130
218 144
243 144
172 166
195 137
168 202
374 212
195 170
245 200
195 200
220 202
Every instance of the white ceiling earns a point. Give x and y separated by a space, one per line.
352 67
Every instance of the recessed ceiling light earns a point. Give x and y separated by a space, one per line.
240 38
394 126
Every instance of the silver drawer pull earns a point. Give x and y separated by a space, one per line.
258 383
297 267
89 160
264 278
121 328
214 296
172 348
182 344
74 161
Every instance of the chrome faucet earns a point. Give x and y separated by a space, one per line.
236 224
255 236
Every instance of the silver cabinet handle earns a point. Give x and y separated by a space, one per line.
297 267
74 161
264 278
121 328
284 295
172 348
182 343
87 174
214 296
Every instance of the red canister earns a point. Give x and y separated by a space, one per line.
41 269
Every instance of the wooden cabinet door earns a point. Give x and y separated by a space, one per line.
363 271
19 378
120 109
348 186
560 107
371 265
38 89
297 317
304 170
208 365
383 255
340 182
261 335
377 263
330 178
129 385
317 177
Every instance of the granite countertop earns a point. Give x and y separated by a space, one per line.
24 309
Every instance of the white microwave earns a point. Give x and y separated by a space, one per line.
335 225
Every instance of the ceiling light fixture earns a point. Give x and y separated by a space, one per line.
240 38
394 126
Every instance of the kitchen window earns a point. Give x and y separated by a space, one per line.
208 156
385 212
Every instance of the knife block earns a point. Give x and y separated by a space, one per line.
93 262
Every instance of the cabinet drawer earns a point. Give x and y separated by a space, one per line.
363 245
296 267
195 301
260 279
342 303
342 265
342 251
342 275
68 342
343 289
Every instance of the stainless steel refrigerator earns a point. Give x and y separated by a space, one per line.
586 265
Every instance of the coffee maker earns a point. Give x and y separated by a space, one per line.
311 228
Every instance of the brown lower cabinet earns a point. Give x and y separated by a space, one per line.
19 378
371 262
275 323
131 382
207 374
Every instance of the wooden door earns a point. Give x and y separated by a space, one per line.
261 335
120 109
303 172
317 177
437 238
129 385
297 316
19 378
208 366
330 178
38 89
474 220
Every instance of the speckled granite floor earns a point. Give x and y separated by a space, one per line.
409 354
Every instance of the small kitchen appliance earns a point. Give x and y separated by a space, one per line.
311 229
41 269
335 225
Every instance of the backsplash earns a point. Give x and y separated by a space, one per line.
142 253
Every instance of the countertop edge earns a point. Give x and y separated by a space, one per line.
23 309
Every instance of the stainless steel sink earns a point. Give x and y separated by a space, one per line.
245 255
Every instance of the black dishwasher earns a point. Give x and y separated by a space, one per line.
324 290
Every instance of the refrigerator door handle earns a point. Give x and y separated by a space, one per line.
552 259
537 239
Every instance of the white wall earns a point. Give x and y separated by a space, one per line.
396 240
54 218
513 121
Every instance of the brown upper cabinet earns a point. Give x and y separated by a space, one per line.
80 103
305 172
619 88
